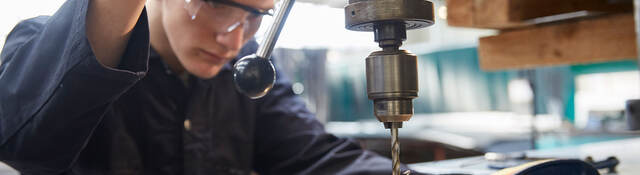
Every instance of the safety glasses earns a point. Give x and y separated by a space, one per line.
226 15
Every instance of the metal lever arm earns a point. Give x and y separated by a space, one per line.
254 75
267 45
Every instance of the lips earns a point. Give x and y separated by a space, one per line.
211 57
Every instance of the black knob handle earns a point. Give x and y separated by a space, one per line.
254 76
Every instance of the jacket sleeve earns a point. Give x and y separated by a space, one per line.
291 141
53 91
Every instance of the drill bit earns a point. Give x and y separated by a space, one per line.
395 151
395 147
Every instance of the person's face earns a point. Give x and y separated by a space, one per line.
199 44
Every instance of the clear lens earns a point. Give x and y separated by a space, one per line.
225 18
192 7
234 26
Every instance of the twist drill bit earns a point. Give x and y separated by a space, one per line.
395 146
395 150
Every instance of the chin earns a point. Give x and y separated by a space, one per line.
205 74
203 69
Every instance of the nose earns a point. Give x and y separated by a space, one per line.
232 40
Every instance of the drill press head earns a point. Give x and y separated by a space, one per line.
392 74
362 15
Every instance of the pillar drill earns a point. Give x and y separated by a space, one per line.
392 73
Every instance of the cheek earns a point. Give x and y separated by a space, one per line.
178 30
185 35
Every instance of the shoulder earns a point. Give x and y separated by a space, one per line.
31 24
27 28
23 32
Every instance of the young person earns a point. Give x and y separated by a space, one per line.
112 87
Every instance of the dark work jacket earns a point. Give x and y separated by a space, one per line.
62 112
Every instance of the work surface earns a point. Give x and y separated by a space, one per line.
627 151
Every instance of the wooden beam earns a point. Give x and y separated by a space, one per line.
529 9
460 12
493 14
504 14
598 39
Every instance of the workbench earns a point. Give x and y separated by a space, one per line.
626 150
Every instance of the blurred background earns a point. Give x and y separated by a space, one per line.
462 109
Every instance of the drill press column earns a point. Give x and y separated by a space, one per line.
392 74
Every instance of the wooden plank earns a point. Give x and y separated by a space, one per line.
504 14
493 14
459 12
529 9
605 38
478 13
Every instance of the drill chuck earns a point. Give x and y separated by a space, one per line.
392 83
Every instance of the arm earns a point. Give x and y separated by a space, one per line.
109 26
291 141
54 91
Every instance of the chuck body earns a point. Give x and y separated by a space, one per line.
392 84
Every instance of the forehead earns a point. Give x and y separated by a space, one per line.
259 4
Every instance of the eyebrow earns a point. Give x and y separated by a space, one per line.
250 9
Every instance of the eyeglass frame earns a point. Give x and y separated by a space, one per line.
251 10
